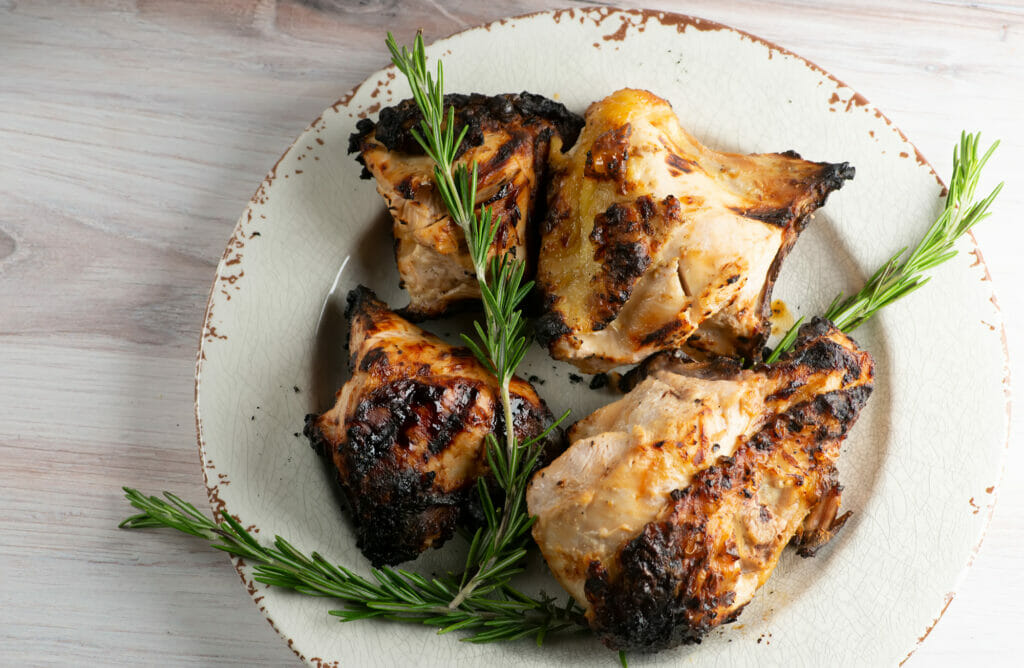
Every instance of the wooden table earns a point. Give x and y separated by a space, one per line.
131 136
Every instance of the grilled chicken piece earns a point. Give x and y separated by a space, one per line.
508 136
406 433
653 241
673 504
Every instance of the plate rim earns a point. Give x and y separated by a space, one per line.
218 506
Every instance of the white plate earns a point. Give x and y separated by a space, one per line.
922 460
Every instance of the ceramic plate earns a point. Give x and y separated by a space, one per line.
919 468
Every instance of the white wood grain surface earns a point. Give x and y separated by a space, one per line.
131 136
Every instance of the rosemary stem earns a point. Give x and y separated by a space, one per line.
496 550
897 279
510 435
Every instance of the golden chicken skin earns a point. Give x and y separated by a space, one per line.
653 241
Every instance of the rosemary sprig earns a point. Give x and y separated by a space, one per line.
897 278
393 594
496 550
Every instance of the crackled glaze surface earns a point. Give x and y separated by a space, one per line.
271 343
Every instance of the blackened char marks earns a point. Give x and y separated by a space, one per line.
664 360
833 177
567 123
373 469
528 420
625 238
660 599
356 298
662 334
373 356
501 193
364 127
505 200
441 432
647 210
417 516
843 407
775 217
398 509
623 252
475 112
355 144
550 327
321 445
509 137
406 434
507 150
818 185
401 417
608 156
679 165
407 188
621 222
384 418
822 353
671 587
625 262
362 308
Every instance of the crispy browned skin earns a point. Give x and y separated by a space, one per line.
508 136
406 433
654 241
672 505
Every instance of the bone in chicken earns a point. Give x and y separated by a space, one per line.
406 433
653 241
508 136
672 505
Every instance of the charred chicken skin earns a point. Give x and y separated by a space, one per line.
653 241
509 137
672 506
406 434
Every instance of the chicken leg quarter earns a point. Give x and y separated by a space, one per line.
672 505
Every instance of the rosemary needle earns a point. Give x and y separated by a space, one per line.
393 594
497 550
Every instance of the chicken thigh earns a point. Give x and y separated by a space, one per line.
406 434
508 136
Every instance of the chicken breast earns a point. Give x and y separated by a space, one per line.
672 505
653 241
508 136
406 433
